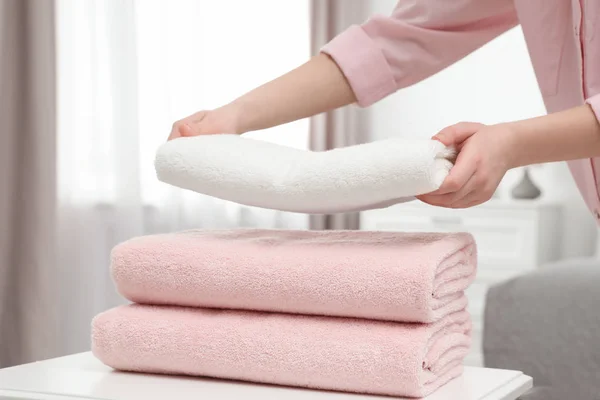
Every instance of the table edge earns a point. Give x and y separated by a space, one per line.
512 390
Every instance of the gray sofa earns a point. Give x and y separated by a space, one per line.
547 324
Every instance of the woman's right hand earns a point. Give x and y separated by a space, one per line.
207 122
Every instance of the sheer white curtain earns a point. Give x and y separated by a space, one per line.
127 69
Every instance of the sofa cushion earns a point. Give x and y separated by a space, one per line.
547 324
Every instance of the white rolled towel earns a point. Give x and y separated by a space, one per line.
262 174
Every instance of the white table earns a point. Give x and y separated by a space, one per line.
81 376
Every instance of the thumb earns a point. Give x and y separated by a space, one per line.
186 130
188 126
194 124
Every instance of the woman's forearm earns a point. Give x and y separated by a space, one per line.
563 136
314 87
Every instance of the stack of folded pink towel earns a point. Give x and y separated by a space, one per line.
356 311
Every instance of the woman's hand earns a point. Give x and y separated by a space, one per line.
484 156
485 153
207 122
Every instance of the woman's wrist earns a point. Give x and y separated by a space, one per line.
514 155
230 116
519 147
248 115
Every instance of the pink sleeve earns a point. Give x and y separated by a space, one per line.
419 39
594 102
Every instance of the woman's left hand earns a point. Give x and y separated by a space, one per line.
484 156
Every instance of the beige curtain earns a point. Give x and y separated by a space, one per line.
29 300
346 126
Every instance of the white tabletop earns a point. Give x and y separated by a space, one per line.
81 376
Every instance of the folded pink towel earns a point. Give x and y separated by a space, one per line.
407 277
332 353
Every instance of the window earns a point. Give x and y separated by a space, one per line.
129 68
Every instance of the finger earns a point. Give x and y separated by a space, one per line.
172 135
467 190
474 202
174 131
456 134
188 126
471 200
449 199
431 200
185 130
480 195
459 175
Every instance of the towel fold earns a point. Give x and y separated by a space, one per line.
406 277
351 355
262 174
